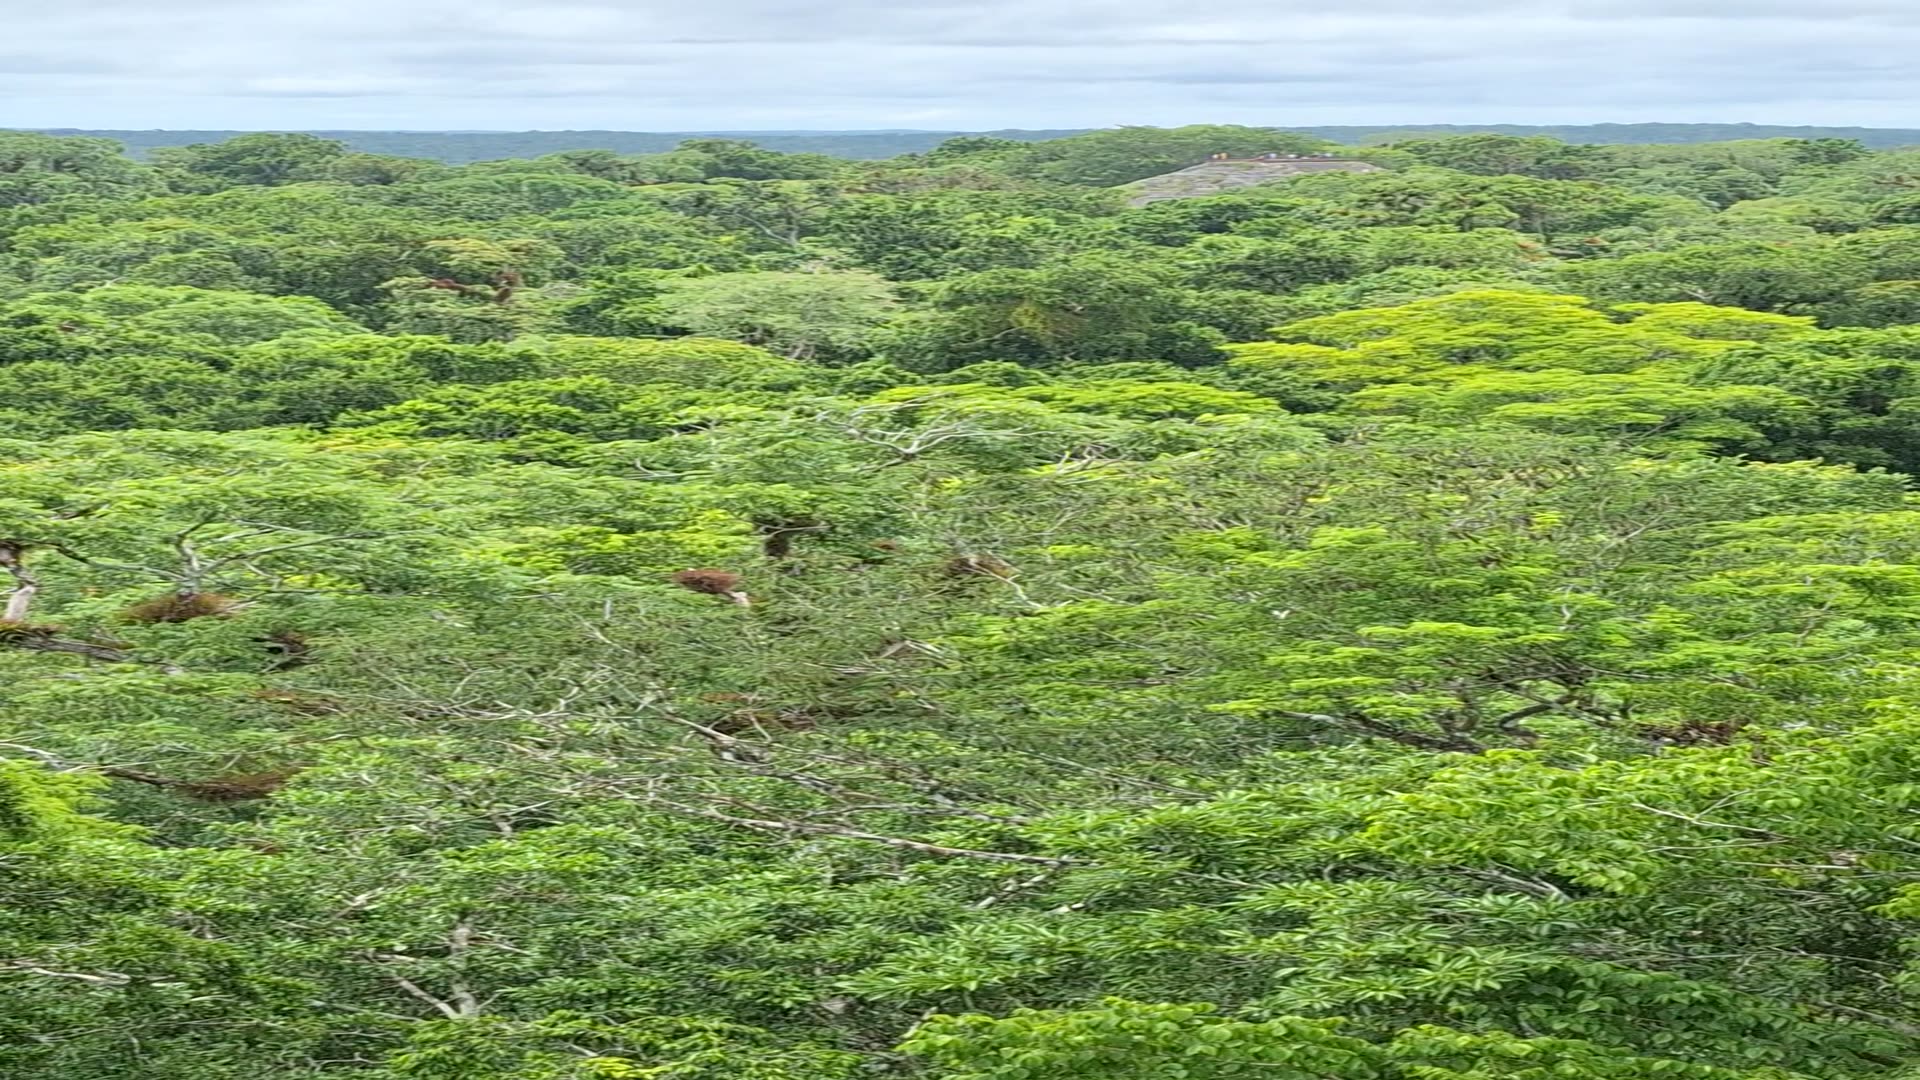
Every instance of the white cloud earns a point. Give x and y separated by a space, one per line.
653 64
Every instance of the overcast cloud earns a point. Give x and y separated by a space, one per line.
950 64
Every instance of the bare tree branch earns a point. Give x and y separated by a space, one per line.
1453 742
1689 819
449 1011
104 978
25 585
844 832
461 1002
49 643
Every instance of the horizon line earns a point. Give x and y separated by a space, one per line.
927 131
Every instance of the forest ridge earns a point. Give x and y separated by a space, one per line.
714 613
466 147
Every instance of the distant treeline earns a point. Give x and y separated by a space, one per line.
464 147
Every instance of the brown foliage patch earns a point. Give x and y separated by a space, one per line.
764 721
1695 733
711 582
179 607
975 566
237 788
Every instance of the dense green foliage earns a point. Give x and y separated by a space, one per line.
718 614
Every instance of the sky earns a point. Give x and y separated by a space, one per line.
684 65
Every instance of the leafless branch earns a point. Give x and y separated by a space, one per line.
102 978
1703 823
51 761
846 833
1543 890
1451 743
105 653
1903 1027
449 1011
460 1003
1014 887
25 585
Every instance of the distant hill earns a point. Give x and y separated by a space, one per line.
461 147
1625 134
